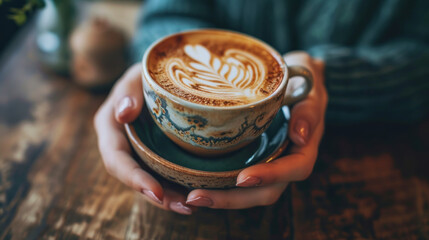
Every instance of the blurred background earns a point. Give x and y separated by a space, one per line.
85 40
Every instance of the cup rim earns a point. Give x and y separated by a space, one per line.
187 103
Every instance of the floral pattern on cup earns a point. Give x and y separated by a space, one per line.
194 130
216 128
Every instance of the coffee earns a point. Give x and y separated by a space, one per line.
214 91
215 68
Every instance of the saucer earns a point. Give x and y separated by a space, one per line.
172 162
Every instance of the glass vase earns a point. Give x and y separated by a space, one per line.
55 23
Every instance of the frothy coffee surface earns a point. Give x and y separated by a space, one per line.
215 68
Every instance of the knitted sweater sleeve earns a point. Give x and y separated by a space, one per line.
383 83
375 80
388 81
163 17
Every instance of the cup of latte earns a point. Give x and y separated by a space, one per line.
215 91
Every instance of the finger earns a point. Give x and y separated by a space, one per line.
176 201
115 152
306 116
308 113
127 95
297 56
295 166
319 64
315 66
237 198
173 201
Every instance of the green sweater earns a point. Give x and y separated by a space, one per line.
376 51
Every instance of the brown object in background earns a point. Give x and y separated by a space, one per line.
98 54
369 182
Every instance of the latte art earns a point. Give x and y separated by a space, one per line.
215 68
236 75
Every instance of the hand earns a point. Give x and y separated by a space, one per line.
123 105
262 184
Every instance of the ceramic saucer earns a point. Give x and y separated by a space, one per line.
182 167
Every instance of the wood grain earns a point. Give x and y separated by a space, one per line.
370 181
54 186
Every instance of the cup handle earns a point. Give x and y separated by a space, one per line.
301 92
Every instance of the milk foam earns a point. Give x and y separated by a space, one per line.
237 75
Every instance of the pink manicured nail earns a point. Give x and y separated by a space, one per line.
200 202
302 128
125 103
152 196
180 208
249 182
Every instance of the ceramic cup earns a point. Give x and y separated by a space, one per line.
216 130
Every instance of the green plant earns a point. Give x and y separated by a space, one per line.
19 14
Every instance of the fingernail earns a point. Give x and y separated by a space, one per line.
180 208
302 128
125 103
152 196
200 202
249 182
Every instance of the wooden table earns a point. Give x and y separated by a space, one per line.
370 182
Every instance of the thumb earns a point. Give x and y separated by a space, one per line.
128 95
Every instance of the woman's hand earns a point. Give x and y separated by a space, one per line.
259 185
123 105
262 184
